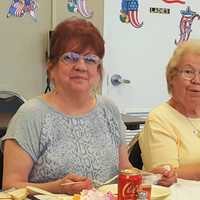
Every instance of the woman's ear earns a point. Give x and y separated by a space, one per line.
50 69
100 79
100 72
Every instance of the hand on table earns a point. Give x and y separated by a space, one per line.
169 175
74 184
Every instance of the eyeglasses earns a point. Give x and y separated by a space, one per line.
189 73
73 58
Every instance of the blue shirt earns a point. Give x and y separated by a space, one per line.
87 145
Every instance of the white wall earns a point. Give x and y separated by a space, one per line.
141 54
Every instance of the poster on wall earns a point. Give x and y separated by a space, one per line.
20 8
139 44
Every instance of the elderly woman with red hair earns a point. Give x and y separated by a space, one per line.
69 134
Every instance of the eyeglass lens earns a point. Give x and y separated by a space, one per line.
72 57
189 73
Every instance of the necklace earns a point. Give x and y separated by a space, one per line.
195 131
179 108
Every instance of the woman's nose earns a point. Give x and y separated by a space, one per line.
81 65
196 78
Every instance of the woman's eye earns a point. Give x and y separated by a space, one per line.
72 58
189 71
90 60
67 57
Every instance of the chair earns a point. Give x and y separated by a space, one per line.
9 104
135 153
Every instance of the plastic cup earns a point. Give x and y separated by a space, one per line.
148 180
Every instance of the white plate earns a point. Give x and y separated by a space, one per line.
56 197
156 192
45 195
109 188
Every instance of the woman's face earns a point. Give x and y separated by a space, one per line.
76 72
186 84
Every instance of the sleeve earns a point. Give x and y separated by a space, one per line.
158 143
117 116
24 128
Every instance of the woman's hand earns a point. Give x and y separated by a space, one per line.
74 184
169 175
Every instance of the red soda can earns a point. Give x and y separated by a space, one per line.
129 182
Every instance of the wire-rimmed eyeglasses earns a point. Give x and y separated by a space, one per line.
73 58
189 72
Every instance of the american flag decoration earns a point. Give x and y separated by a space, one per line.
79 6
185 24
129 13
19 8
174 1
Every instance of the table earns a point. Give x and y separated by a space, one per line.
184 190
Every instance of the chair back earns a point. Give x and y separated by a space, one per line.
135 153
9 104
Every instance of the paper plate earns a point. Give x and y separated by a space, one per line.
109 188
56 197
156 193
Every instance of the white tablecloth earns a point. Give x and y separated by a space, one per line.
185 190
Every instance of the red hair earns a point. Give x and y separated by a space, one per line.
76 35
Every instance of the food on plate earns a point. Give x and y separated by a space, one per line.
94 194
19 194
5 196
76 197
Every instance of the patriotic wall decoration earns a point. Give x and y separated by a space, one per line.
185 24
79 6
129 13
174 1
19 8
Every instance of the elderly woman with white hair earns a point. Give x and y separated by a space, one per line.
172 131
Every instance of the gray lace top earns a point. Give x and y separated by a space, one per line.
58 144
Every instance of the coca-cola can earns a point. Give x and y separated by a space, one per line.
129 182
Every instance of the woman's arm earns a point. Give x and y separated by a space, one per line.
160 147
158 144
123 157
191 172
18 165
169 176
